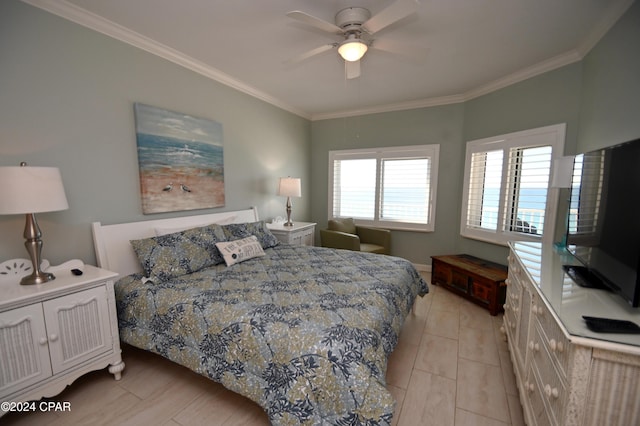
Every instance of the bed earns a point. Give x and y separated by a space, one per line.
303 331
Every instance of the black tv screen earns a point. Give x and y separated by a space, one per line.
603 230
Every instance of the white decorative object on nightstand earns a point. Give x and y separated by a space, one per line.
301 233
53 333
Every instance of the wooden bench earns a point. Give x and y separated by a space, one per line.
478 280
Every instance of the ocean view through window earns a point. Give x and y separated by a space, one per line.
507 194
386 187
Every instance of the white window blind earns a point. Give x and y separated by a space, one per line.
529 172
354 188
406 189
387 187
506 193
484 190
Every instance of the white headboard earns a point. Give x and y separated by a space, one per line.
114 252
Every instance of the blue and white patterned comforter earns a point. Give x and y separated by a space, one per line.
303 331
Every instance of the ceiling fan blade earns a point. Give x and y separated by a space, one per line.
392 13
412 53
310 53
316 22
352 69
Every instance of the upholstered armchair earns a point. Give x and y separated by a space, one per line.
344 234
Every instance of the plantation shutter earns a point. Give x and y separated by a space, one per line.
393 187
485 180
406 189
354 188
506 194
529 173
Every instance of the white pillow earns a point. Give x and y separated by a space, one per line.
165 231
240 250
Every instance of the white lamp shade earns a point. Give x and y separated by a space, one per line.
289 187
352 50
27 189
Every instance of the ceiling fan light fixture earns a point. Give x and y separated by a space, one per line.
352 50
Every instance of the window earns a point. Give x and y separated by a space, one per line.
507 191
387 187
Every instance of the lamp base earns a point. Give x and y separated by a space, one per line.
288 222
37 277
33 244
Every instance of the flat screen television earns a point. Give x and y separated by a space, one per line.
603 231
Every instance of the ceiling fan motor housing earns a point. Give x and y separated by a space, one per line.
352 18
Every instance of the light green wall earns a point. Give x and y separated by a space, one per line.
551 98
66 100
610 109
439 125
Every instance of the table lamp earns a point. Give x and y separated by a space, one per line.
29 190
289 187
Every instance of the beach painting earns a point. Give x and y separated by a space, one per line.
180 160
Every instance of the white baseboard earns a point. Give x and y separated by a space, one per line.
421 267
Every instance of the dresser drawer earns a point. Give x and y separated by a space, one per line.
552 336
534 390
551 384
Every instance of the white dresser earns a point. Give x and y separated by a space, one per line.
301 233
566 374
53 333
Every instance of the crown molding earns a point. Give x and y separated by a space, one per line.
94 22
400 106
521 75
525 74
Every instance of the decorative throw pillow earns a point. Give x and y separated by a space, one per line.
236 231
240 250
179 253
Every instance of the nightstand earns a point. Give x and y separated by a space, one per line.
55 332
301 233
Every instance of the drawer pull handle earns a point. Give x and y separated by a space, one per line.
551 392
43 341
556 346
53 337
534 346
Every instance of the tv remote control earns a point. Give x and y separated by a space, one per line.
608 325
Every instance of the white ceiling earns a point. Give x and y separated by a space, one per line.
472 46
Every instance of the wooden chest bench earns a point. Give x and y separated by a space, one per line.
478 280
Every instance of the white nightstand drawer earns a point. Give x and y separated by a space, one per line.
301 233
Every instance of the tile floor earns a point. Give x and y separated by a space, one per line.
451 367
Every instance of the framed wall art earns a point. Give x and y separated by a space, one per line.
181 161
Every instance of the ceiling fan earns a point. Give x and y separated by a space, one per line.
356 26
